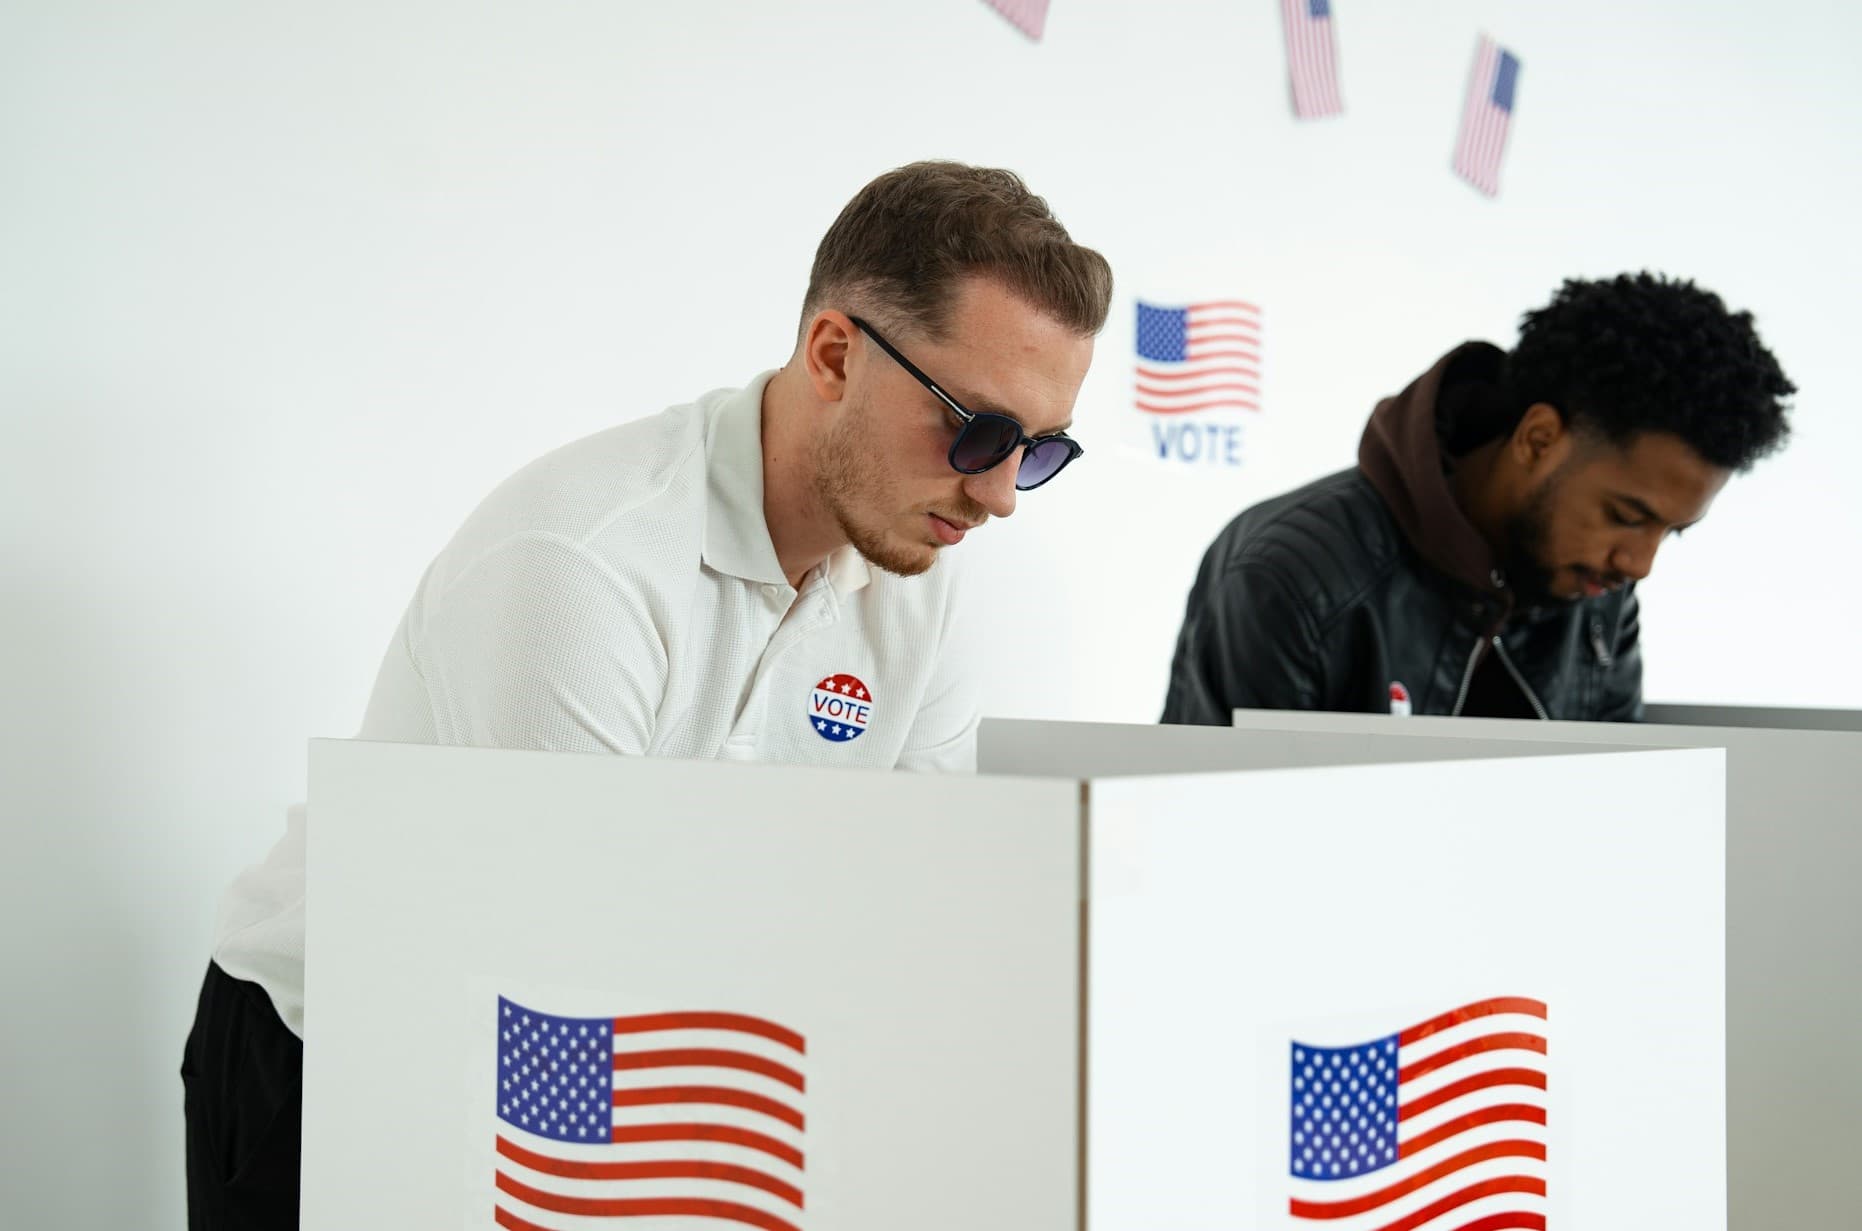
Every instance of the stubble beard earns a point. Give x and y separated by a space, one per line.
852 488
1526 534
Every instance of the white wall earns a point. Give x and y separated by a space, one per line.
285 288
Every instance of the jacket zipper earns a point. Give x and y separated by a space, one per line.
1598 647
1520 680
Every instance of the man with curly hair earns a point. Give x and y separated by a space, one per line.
1482 557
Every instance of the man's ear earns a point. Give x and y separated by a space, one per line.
1542 438
827 351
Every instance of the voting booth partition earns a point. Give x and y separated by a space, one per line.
851 997
1794 916
1753 717
1210 982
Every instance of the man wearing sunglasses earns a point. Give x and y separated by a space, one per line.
756 575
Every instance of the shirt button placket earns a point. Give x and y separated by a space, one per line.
742 743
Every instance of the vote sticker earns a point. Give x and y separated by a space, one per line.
840 708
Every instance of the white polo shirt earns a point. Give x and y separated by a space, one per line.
622 595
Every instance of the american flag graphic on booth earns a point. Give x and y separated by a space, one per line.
1439 1127
664 1116
1312 58
1487 115
1200 356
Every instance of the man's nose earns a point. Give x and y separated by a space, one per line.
994 489
1635 560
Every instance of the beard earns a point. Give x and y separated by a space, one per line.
1527 532
857 490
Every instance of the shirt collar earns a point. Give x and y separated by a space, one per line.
736 533
848 570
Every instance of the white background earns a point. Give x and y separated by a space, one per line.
285 288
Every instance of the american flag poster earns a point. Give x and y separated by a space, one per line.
1197 372
1198 356
1438 1126
1487 115
1028 16
647 1121
1312 58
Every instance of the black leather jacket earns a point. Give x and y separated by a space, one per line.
1317 601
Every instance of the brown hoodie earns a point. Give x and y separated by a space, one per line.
1404 453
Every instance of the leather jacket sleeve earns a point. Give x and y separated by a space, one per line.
1246 643
1623 685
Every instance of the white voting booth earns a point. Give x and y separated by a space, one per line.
1143 982
1794 920
1445 872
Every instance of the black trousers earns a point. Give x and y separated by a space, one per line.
242 1073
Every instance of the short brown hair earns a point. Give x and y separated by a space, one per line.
903 242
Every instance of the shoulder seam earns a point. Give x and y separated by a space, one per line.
646 498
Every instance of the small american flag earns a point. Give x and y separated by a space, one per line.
1312 58
1201 356
1028 16
688 1115
1487 116
1438 1126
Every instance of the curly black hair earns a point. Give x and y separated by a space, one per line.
1646 353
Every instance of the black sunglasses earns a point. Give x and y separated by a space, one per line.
987 439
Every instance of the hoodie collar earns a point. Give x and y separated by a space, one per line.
1401 454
